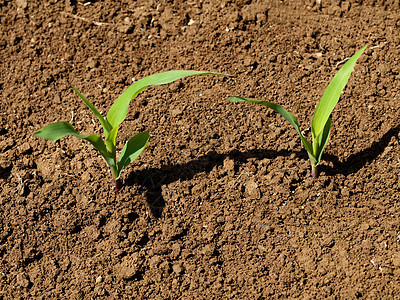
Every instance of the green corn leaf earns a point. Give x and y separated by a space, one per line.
312 158
59 130
332 94
323 140
111 140
119 109
106 126
284 113
132 149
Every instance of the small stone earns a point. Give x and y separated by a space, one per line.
248 61
23 280
396 260
252 191
125 28
165 267
387 150
255 12
25 147
92 63
99 279
78 295
13 39
229 166
208 250
176 112
367 246
129 267
21 4
68 56
113 227
92 232
155 262
316 55
176 250
177 268
57 99
364 226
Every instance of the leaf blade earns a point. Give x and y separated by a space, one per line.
59 130
118 111
106 126
56 131
132 149
111 140
332 94
284 113
323 140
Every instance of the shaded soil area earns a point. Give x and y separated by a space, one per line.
221 203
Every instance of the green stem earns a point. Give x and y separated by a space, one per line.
117 184
117 181
314 170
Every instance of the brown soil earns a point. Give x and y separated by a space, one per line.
221 203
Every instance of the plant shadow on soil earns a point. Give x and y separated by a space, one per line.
358 160
5 172
152 179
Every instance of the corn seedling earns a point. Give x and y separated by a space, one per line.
116 115
321 121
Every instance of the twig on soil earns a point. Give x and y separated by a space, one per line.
70 175
86 3
347 58
21 184
86 20
377 46
342 61
72 117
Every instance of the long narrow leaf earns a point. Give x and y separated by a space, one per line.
132 150
284 113
111 140
323 140
119 109
59 130
332 94
106 126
